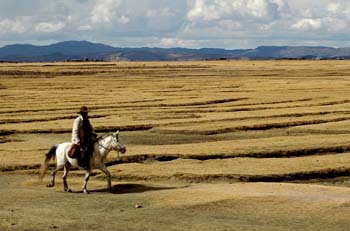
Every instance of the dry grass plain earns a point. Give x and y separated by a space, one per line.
196 133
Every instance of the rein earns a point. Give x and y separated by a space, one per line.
108 149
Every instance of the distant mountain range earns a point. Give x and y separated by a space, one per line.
85 51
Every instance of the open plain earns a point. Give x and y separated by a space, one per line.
211 145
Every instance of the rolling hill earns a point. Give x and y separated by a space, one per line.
84 50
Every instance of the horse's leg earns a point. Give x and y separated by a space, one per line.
108 174
53 174
87 177
64 177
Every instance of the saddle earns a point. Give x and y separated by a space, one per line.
74 151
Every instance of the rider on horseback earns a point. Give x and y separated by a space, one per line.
83 136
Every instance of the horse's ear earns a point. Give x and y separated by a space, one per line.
117 133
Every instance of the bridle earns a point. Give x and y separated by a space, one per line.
108 149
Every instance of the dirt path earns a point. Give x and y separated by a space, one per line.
27 204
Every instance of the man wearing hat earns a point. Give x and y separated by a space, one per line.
83 135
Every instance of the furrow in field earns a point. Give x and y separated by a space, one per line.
203 131
276 102
291 115
328 173
127 105
228 170
204 128
15 121
21 73
289 124
141 127
141 158
256 108
238 169
332 103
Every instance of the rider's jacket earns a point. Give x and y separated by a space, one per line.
82 131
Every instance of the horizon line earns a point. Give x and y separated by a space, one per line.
140 47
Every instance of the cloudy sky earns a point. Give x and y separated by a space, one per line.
226 24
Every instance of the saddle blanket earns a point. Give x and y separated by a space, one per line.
74 151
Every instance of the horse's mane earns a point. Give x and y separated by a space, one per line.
104 136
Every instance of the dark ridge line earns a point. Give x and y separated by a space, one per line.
257 108
142 158
6 133
5 140
97 129
328 173
284 107
288 177
225 101
257 127
37 110
321 131
21 73
276 102
94 65
298 152
75 108
300 176
274 154
93 107
266 126
290 124
192 104
260 117
219 101
143 127
149 158
21 167
15 121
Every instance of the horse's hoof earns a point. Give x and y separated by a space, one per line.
50 185
68 190
85 191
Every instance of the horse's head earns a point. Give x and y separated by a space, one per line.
117 144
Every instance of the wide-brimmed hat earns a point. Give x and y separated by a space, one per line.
83 109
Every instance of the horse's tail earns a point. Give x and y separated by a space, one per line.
51 154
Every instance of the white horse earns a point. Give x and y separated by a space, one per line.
102 146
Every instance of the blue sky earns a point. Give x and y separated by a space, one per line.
229 24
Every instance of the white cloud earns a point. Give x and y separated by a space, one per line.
45 27
258 8
167 23
308 24
222 9
333 7
176 42
123 19
104 11
339 10
12 26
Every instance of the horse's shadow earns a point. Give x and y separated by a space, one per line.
130 188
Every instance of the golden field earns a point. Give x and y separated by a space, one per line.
296 111
184 123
